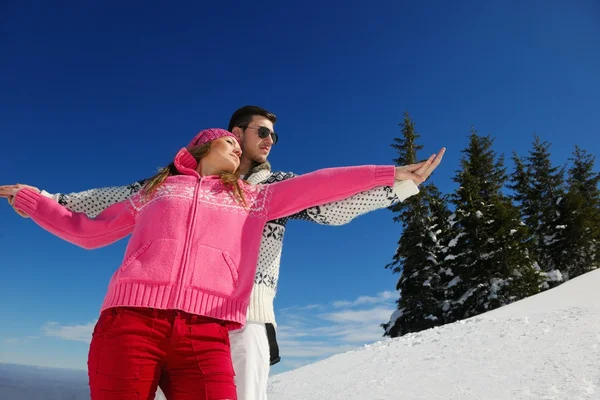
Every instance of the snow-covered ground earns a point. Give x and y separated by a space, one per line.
543 347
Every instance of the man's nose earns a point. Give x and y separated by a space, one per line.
269 139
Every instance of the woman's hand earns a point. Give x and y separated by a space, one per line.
10 191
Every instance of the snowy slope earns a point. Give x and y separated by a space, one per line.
543 347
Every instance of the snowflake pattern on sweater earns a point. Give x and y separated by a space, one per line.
261 309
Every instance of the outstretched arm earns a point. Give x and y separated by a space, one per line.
90 202
335 184
324 186
112 224
343 211
93 201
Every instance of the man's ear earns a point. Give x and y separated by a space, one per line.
238 132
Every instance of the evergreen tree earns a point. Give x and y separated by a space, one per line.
538 187
419 262
490 263
423 218
576 250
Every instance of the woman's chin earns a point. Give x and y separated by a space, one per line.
230 169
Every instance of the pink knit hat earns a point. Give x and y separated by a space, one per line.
208 135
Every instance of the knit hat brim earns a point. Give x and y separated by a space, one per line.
208 135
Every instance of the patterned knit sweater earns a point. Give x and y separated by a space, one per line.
261 308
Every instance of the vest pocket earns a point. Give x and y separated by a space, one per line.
213 270
153 262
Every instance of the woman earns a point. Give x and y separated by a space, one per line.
188 267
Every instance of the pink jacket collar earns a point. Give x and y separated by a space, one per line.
186 163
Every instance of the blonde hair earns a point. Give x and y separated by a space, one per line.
229 179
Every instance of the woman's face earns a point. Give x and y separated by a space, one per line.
223 156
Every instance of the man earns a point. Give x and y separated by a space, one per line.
254 348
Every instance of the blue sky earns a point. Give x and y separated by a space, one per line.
97 94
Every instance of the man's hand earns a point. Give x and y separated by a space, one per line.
419 172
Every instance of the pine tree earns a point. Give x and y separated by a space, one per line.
423 218
490 263
578 237
538 187
419 256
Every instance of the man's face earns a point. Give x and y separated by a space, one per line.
254 147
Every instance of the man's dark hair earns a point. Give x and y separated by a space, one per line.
243 116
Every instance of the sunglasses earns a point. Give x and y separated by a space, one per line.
263 132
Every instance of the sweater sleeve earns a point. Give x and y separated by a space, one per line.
93 201
112 224
343 211
324 186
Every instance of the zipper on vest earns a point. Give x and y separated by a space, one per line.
188 244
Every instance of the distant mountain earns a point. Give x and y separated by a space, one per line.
22 382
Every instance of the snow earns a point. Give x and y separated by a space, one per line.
466 295
433 236
495 285
453 282
452 219
454 241
395 315
554 276
517 273
549 239
446 305
545 347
